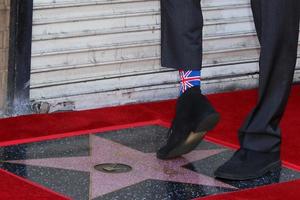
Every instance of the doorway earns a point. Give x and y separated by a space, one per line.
4 45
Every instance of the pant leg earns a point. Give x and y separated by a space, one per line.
181 34
277 24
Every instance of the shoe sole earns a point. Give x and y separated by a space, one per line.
271 167
194 138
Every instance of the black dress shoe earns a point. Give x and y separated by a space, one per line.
194 117
248 164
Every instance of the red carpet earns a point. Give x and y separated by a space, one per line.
15 188
233 107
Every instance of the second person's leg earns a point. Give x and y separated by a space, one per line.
277 25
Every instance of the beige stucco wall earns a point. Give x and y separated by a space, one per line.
4 41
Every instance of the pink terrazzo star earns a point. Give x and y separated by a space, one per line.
145 166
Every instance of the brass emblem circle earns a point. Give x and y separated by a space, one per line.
113 168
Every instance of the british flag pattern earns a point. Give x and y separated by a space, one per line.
188 79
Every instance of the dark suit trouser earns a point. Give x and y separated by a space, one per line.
277 26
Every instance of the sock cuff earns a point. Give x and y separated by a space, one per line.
188 79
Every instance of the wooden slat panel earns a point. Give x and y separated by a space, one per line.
107 52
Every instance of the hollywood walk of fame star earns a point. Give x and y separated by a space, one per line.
144 166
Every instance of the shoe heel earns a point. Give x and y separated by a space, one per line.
209 123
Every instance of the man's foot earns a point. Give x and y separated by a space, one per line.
194 117
248 164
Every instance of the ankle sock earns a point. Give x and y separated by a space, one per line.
188 79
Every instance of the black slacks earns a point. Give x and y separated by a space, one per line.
277 26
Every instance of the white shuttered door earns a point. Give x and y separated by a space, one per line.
99 53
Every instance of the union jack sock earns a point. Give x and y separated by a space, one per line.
188 79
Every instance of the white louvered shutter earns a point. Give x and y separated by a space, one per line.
99 53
